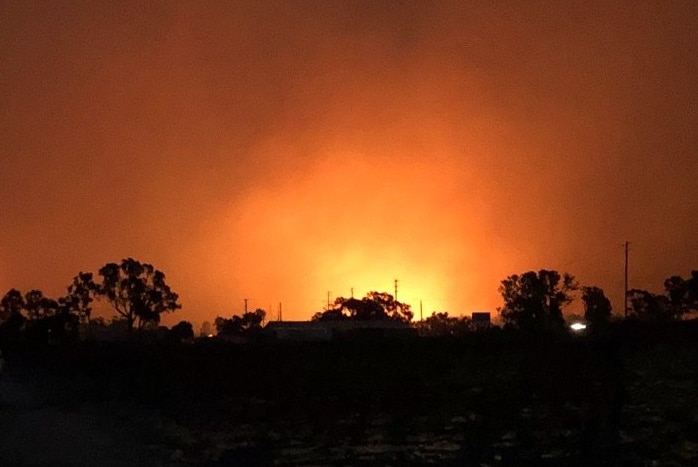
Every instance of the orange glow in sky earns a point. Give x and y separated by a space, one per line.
275 151
359 223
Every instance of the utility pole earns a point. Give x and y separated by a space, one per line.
245 305
396 290
328 299
352 292
420 311
279 315
625 294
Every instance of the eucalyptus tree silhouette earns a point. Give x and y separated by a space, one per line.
78 300
533 301
138 292
374 306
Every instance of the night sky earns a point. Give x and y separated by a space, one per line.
276 151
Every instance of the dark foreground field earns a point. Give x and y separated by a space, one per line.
629 399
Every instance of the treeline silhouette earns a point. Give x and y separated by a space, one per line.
527 392
136 291
533 303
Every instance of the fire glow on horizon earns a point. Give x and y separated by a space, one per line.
358 224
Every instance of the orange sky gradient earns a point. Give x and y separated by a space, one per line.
276 151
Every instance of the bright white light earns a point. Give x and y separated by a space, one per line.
578 327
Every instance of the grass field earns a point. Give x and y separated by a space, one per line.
628 399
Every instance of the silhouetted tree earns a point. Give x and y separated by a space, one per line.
250 323
333 314
682 294
253 320
138 292
364 310
647 306
48 322
533 301
39 306
11 318
394 309
182 331
680 297
224 326
440 325
78 300
374 306
11 305
597 307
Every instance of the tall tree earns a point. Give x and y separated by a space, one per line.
533 301
597 307
80 295
138 292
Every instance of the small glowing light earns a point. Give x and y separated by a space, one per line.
209 335
578 327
